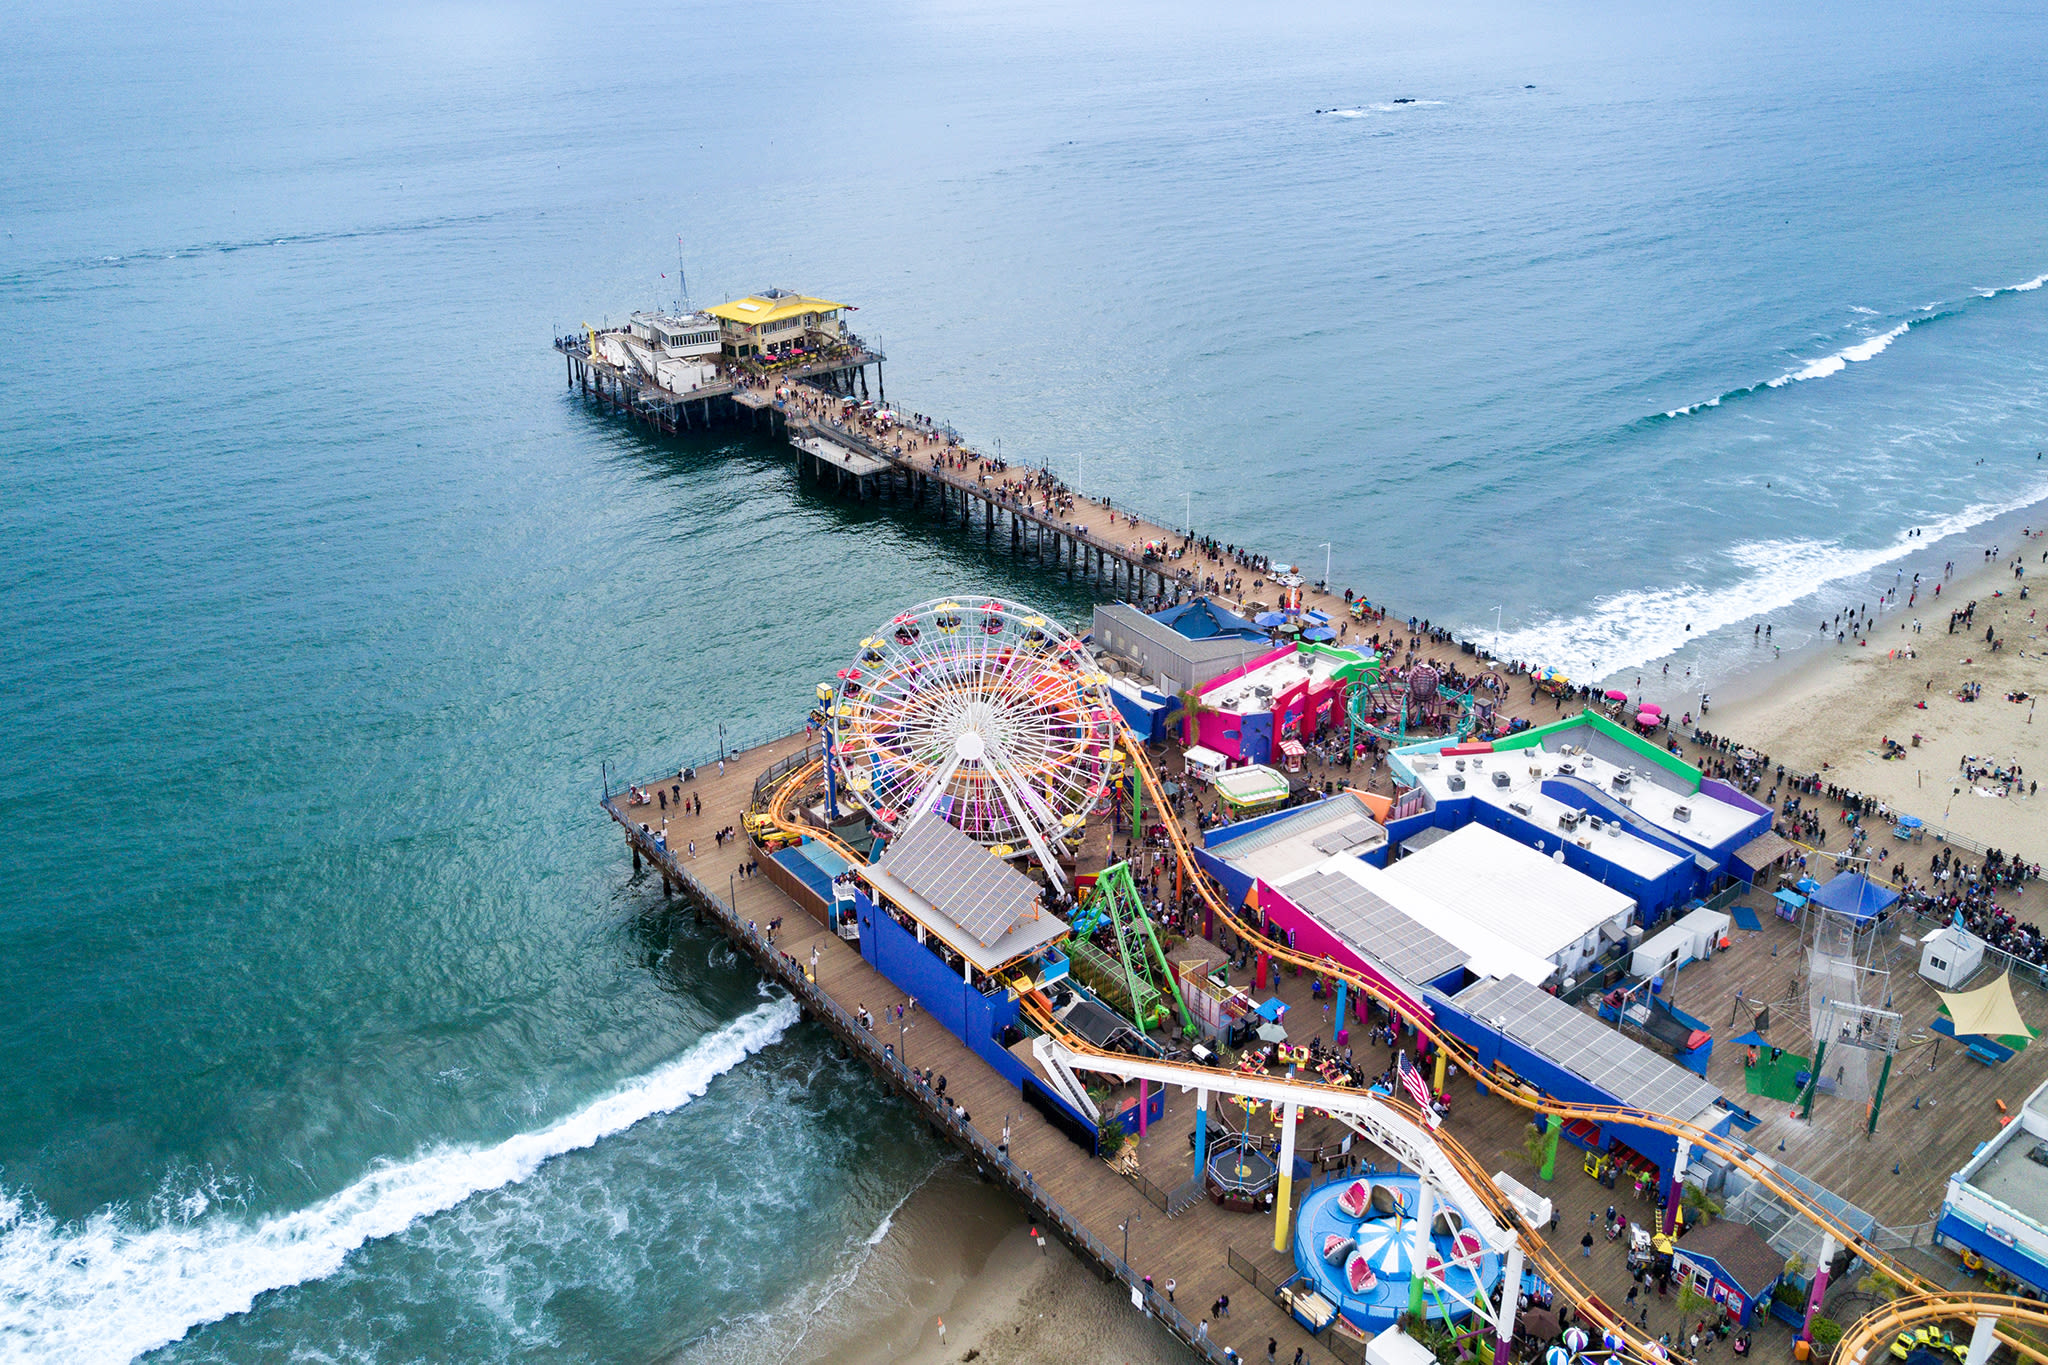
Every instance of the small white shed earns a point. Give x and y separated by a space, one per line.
1707 928
1662 952
1950 956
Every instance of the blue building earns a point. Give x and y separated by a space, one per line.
1620 809
1566 1053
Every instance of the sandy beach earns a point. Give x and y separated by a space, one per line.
1832 713
958 1249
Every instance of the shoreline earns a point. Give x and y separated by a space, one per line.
1720 662
1829 712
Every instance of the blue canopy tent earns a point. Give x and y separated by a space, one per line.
1319 634
1271 618
1203 619
1854 895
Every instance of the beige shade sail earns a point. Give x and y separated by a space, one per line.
1989 1010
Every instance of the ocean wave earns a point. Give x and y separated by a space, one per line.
1630 629
1379 107
1867 348
2024 287
107 1289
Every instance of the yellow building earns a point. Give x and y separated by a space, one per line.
775 320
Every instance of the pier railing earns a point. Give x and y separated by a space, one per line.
708 757
993 1158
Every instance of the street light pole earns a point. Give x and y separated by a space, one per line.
1134 1217
1187 514
1496 632
1326 566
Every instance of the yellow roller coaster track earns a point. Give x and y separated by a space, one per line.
1937 1302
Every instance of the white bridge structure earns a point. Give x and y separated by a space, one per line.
1366 1114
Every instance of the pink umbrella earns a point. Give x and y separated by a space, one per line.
1652 708
1616 694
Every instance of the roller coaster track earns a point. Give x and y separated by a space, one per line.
1925 1297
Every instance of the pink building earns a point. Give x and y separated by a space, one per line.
1294 692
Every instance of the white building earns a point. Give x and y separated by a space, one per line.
1949 957
1996 1207
1527 899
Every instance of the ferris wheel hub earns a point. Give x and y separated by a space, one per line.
970 746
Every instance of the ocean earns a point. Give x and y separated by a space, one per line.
337 1027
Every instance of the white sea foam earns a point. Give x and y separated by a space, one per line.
1629 629
106 1289
1833 363
1826 365
1380 107
2024 287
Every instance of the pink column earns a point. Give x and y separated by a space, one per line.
1144 1094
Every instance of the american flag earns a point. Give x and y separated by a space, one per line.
1411 1079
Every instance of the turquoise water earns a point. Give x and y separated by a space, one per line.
335 1024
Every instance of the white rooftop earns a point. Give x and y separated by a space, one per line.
1303 839
1533 901
1258 690
1486 952
1710 822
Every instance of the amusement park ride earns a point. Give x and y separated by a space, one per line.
1387 708
984 712
987 714
1136 974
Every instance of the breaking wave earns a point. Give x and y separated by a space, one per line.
2026 287
106 1289
1868 348
1630 629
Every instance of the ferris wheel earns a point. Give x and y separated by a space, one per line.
984 712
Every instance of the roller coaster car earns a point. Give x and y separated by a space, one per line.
1926 1346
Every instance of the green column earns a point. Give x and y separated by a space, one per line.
1820 1052
1877 1100
1552 1127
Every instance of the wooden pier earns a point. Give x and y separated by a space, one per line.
1931 1121
1929 1128
914 465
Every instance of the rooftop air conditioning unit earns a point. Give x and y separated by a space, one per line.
1620 780
1500 780
1598 823
1682 813
1566 769
1457 783
1461 765
1519 807
1570 819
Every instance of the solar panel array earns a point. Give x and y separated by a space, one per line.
1375 928
1331 809
975 889
1350 834
1581 1044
